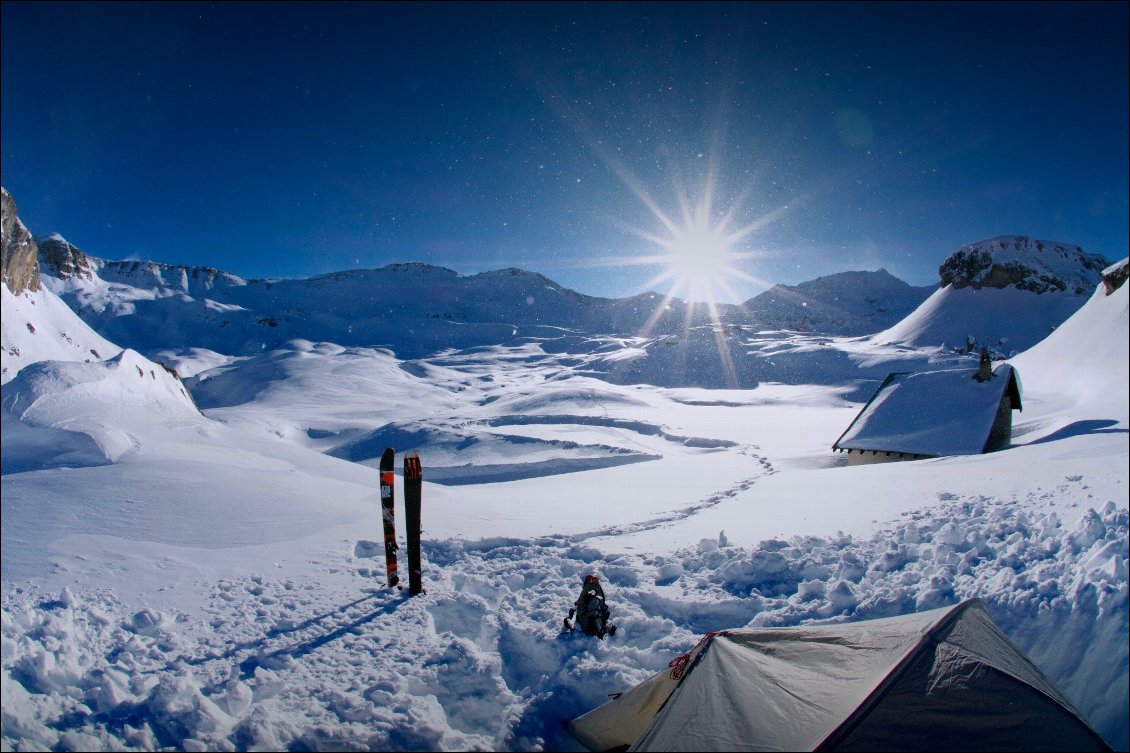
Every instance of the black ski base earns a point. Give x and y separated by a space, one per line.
413 483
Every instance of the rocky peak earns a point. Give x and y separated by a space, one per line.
62 258
1026 264
1115 275
19 264
420 268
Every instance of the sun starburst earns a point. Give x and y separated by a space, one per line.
699 256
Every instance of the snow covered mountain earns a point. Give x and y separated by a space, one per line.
36 325
848 303
418 309
1007 293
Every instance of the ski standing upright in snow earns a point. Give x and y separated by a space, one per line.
388 514
413 481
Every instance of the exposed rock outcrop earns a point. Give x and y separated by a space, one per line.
1115 275
19 256
63 259
1023 263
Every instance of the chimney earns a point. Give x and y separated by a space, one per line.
985 372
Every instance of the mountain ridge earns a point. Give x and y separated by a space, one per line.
155 307
847 303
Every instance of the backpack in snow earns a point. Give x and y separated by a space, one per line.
590 610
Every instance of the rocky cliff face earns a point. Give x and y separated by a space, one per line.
63 259
1115 276
1026 264
19 256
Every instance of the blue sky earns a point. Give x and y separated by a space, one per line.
292 139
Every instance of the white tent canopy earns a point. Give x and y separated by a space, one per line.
946 679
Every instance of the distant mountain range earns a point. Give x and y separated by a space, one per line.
1007 292
849 303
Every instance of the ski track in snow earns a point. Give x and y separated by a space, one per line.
682 514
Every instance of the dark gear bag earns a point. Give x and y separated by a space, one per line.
590 610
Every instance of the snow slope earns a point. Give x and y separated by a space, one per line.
38 326
1065 357
1007 320
1006 293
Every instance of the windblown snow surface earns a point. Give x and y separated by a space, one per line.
213 579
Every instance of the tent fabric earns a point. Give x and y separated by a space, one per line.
940 680
616 724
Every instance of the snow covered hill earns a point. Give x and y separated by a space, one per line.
1007 321
848 303
1006 293
1023 263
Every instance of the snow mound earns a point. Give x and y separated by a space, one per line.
85 410
1007 321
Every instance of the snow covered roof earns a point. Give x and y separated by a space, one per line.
933 413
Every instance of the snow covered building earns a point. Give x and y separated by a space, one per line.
934 414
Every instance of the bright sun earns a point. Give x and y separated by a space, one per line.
701 253
700 256
699 259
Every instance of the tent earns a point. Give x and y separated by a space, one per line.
946 679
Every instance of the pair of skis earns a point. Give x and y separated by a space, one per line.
413 481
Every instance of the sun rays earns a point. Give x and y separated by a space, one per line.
699 254
700 251
698 258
